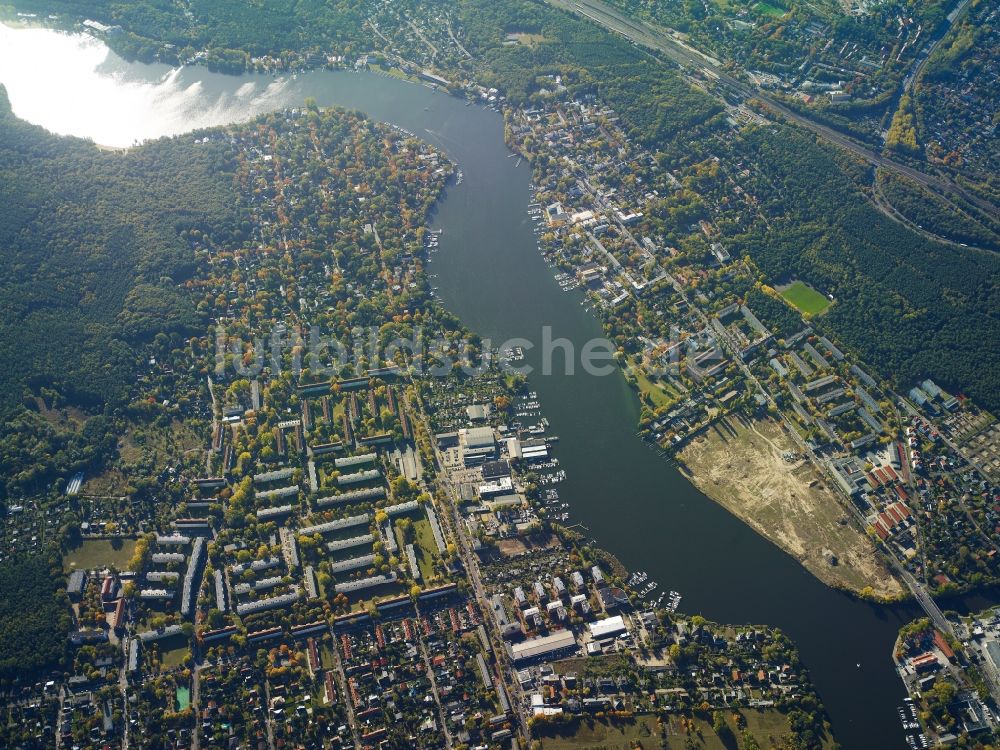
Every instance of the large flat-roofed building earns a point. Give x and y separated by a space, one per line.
349 462
478 445
369 475
607 628
544 646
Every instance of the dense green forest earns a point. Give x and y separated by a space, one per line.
34 616
227 30
94 245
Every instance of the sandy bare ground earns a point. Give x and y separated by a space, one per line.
740 464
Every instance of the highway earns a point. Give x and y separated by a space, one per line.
662 41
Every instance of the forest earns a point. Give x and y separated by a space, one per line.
34 622
228 31
94 244
934 214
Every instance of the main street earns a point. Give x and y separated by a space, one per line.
449 742
471 563
649 36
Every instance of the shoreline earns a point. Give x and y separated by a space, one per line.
742 465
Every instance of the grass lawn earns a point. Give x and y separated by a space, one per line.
172 651
592 666
374 594
337 414
326 656
426 548
682 732
423 540
393 72
660 394
766 9
592 733
158 446
99 553
526 39
805 299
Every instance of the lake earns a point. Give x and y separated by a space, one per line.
490 273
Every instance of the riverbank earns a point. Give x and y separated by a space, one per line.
741 464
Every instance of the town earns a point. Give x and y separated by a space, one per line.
354 554
355 560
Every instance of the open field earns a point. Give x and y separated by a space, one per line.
804 298
525 38
146 449
173 651
426 547
770 729
766 9
360 600
519 545
99 553
157 446
740 465
604 734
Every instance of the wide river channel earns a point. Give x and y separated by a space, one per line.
490 273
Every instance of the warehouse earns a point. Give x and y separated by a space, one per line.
543 647
609 628
478 445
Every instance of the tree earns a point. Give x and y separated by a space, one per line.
215 619
405 525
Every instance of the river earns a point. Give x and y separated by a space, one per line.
489 272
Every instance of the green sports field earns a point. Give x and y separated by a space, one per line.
805 299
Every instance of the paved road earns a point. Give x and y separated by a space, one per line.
686 56
196 705
123 687
430 676
921 60
344 689
471 563
267 708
